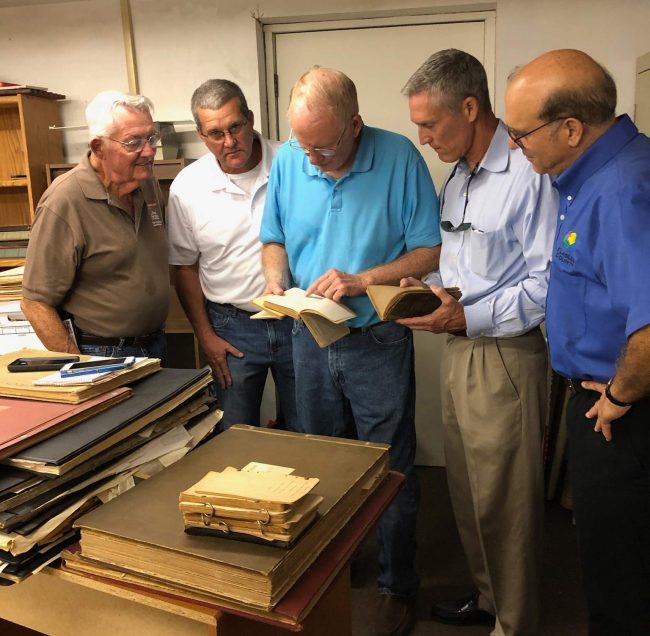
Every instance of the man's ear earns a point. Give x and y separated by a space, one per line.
469 108
96 147
251 118
575 131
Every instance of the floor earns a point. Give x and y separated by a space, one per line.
444 574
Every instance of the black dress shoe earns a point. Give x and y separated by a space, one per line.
464 611
394 615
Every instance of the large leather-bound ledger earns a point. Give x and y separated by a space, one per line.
142 531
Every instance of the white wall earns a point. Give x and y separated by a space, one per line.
76 48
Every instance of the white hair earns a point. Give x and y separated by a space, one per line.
102 110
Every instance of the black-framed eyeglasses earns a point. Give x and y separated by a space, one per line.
448 226
233 130
516 139
137 143
323 152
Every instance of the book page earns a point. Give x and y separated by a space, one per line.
294 302
268 486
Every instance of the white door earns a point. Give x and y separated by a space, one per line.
379 55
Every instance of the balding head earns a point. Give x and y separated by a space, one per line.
324 89
557 106
568 83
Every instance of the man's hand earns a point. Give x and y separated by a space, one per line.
335 284
273 288
216 350
413 282
448 318
604 411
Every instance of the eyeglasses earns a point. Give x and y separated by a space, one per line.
323 152
137 143
516 139
233 130
448 226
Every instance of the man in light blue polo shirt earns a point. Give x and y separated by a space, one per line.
348 206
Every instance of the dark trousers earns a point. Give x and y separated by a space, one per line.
611 498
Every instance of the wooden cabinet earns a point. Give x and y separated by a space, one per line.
26 145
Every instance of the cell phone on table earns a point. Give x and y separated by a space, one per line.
96 366
40 363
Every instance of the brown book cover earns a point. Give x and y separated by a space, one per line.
142 531
26 422
392 302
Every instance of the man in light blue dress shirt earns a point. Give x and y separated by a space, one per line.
497 222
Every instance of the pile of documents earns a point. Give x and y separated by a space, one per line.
65 450
11 284
140 537
259 502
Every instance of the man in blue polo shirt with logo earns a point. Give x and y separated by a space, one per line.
348 206
560 109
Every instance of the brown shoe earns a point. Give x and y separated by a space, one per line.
394 615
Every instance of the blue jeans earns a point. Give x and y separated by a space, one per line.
363 386
157 348
266 344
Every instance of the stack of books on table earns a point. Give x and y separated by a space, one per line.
140 537
260 502
66 449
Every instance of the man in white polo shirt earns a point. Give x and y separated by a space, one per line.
214 214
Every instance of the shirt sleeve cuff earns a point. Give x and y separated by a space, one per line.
479 320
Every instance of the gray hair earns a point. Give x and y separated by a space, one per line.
451 75
102 111
214 93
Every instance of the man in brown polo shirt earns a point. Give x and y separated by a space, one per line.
98 249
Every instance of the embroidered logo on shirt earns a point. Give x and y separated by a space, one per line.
563 251
570 240
154 214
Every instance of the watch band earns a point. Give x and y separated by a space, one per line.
612 399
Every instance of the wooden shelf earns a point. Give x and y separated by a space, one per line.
26 145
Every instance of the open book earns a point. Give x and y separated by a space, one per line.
324 318
392 302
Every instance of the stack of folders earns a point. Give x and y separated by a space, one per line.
67 449
258 503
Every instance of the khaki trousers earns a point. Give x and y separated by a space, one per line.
494 400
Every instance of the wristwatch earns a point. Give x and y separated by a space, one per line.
611 398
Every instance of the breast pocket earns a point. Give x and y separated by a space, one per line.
489 251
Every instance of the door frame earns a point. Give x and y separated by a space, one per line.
269 30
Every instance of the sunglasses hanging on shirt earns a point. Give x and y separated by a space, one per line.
448 226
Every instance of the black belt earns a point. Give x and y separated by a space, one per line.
233 308
116 341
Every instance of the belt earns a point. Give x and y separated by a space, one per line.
232 308
461 334
116 341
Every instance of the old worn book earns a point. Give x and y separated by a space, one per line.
324 318
142 532
21 384
267 506
392 302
